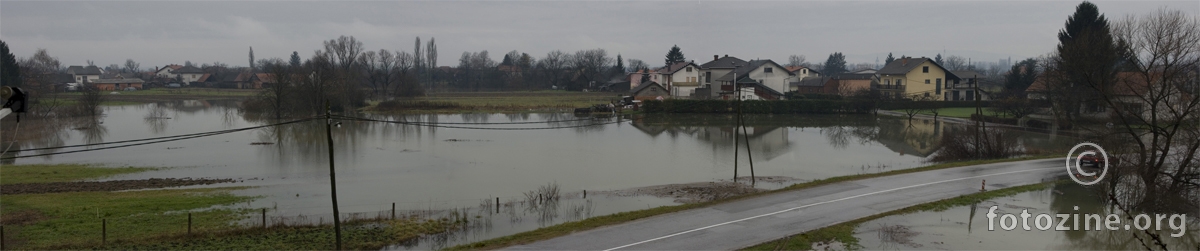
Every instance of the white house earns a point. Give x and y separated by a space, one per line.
167 71
768 79
681 78
83 74
714 69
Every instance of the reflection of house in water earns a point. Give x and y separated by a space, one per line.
768 142
920 138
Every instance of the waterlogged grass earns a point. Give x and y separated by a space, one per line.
958 112
355 236
617 218
17 174
844 232
63 220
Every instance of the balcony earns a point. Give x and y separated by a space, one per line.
889 87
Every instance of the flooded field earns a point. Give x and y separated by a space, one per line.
430 165
966 227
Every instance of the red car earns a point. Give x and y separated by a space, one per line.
1093 159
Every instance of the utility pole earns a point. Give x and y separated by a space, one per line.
337 223
738 122
979 111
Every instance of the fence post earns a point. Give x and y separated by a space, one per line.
497 204
585 193
393 211
189 223
103 231
264 217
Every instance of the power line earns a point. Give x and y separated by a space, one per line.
468 127
493 123
173 138
165 137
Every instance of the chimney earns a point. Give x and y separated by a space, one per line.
715 58
726 55
904 61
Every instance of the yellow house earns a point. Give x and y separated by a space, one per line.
914 78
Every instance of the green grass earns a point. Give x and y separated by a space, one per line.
16 174
75 219
958 112
504 101
355 236
617 218
844 232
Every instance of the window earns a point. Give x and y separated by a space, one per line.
689 69
899 82
926 81
767 70
925 69
887 82
803 71
708 77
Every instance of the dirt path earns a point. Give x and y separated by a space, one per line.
113 185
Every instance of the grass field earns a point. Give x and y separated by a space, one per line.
158 219
20 174
957 112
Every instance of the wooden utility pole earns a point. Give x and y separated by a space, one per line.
337 223
978 110
738 122
749 155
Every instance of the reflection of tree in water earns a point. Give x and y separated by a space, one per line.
1092 200
93 130
156 118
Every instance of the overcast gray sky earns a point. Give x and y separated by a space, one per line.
156 33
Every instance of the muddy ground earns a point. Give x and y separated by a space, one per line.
700 191
112 185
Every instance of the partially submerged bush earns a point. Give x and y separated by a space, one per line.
991 144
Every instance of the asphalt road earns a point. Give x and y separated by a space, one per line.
748 222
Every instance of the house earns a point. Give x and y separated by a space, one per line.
116 84
681 78
187 74
764 77
802 72
914 78
964 88
810 85
167 71
649 90
1131 92
85 73
848 84
719 66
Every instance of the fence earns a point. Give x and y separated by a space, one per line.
544 205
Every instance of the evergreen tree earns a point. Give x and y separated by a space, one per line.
1088 58
10 73
889 59
251 57
835 64
675 55
938 59
620 68
295 61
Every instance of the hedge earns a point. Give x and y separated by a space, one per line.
801 106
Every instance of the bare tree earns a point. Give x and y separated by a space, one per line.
796 60
344 51
1156 103
387 65
369 61
955 63
431 61
132 67
636 64
554 67
589 66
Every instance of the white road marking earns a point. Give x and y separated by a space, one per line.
820 203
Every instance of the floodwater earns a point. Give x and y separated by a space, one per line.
967 227
435 168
